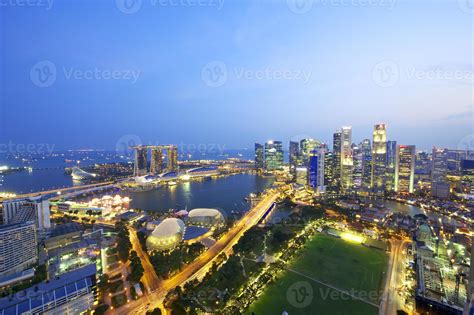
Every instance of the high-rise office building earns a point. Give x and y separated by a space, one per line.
379 158
405 168
306 148
328 168
439 171
259 157
273 155
316 170
18 247
141 163
347 162
357 172
156 165
390 170
336 159
294 157
366 150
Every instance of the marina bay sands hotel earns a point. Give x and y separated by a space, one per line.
157 161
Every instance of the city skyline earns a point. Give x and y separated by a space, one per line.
184 82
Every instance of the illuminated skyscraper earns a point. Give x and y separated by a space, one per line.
172 165
439 172
316 170
306 148
294 157
336 158
379 158
347 162
156 165
366 150
405 168
357 171
390 170
141 163
273 155
328 168
259 157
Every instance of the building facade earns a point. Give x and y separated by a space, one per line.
18 247
379 157
405 168
273 155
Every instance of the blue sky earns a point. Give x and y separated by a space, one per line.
235 72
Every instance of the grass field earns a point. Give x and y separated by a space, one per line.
344 265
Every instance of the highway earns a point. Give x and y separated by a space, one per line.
149 279
390 302
199 267
60 190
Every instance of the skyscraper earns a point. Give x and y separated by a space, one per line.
316 170
439 172
405 168
379 157
259 157
336 158
306 148
273 155
366 149
172 165
141 167
357 172
347 162
391 160
294 157
328 168
18 247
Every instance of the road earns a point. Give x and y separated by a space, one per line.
390 299
60 190
199 267
149 279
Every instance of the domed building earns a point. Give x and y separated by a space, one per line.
167 235
204 217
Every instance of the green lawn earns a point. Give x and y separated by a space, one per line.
342 264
